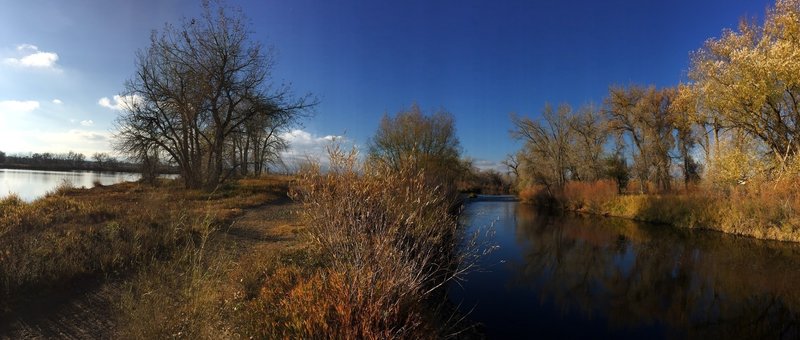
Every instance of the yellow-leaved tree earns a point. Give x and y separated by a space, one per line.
748 81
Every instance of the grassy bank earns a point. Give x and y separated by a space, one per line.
766 211
71 235
360 253
383 246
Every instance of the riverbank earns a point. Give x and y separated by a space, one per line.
352 255
129 242
123 167
770 211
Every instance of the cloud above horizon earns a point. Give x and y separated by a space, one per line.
17 106
118 102
304 145
31 57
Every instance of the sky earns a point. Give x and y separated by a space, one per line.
64 63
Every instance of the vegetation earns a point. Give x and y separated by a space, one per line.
71 160
202 97
412 139
386 246
735 124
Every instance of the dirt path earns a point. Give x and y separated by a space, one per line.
85 310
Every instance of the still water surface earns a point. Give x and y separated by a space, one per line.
32 184
580 276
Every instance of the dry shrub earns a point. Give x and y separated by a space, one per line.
588 196
763 209
636 186
536 194
387 243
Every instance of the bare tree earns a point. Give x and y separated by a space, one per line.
642 116
546 152
195 86
590 136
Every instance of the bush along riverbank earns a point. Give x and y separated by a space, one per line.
385 247
769 210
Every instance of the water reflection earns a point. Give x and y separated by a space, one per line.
32 184
588 276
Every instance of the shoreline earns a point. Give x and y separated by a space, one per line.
691 220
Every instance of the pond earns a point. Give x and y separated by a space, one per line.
32 184
582 276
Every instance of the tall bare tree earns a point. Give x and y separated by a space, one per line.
195 86
546 152
590 133
642 116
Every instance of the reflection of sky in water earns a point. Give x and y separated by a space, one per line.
585 276
32 184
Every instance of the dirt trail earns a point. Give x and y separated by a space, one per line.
85 309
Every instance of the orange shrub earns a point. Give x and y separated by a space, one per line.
534 194
591 196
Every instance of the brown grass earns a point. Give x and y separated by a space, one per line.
74 233
765 210
384 244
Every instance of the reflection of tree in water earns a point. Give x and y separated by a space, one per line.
697 283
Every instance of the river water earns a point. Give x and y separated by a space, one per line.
32 184
581 276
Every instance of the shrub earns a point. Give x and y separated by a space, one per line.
589 196
387 244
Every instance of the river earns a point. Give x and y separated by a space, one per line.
582 276
32 184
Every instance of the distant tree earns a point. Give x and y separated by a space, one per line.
687 135
590 133
100 158
642 116
617 169
414 139
545 157
511 162
2 157
195 87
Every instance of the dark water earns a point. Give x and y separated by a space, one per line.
579 276
32 184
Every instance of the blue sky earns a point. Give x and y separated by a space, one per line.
480 60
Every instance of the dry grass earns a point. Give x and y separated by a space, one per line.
765 210
383 244
587 196
74 233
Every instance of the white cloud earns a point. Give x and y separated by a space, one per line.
304 145
27 47
57 101
87 122
32 57
489 165
119 102
33 140
8 107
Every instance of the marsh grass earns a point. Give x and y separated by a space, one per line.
111 230
764 210
384 245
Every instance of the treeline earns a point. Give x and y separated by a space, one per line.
730 134
71 160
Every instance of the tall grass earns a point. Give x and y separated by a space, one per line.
766 210
386 244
